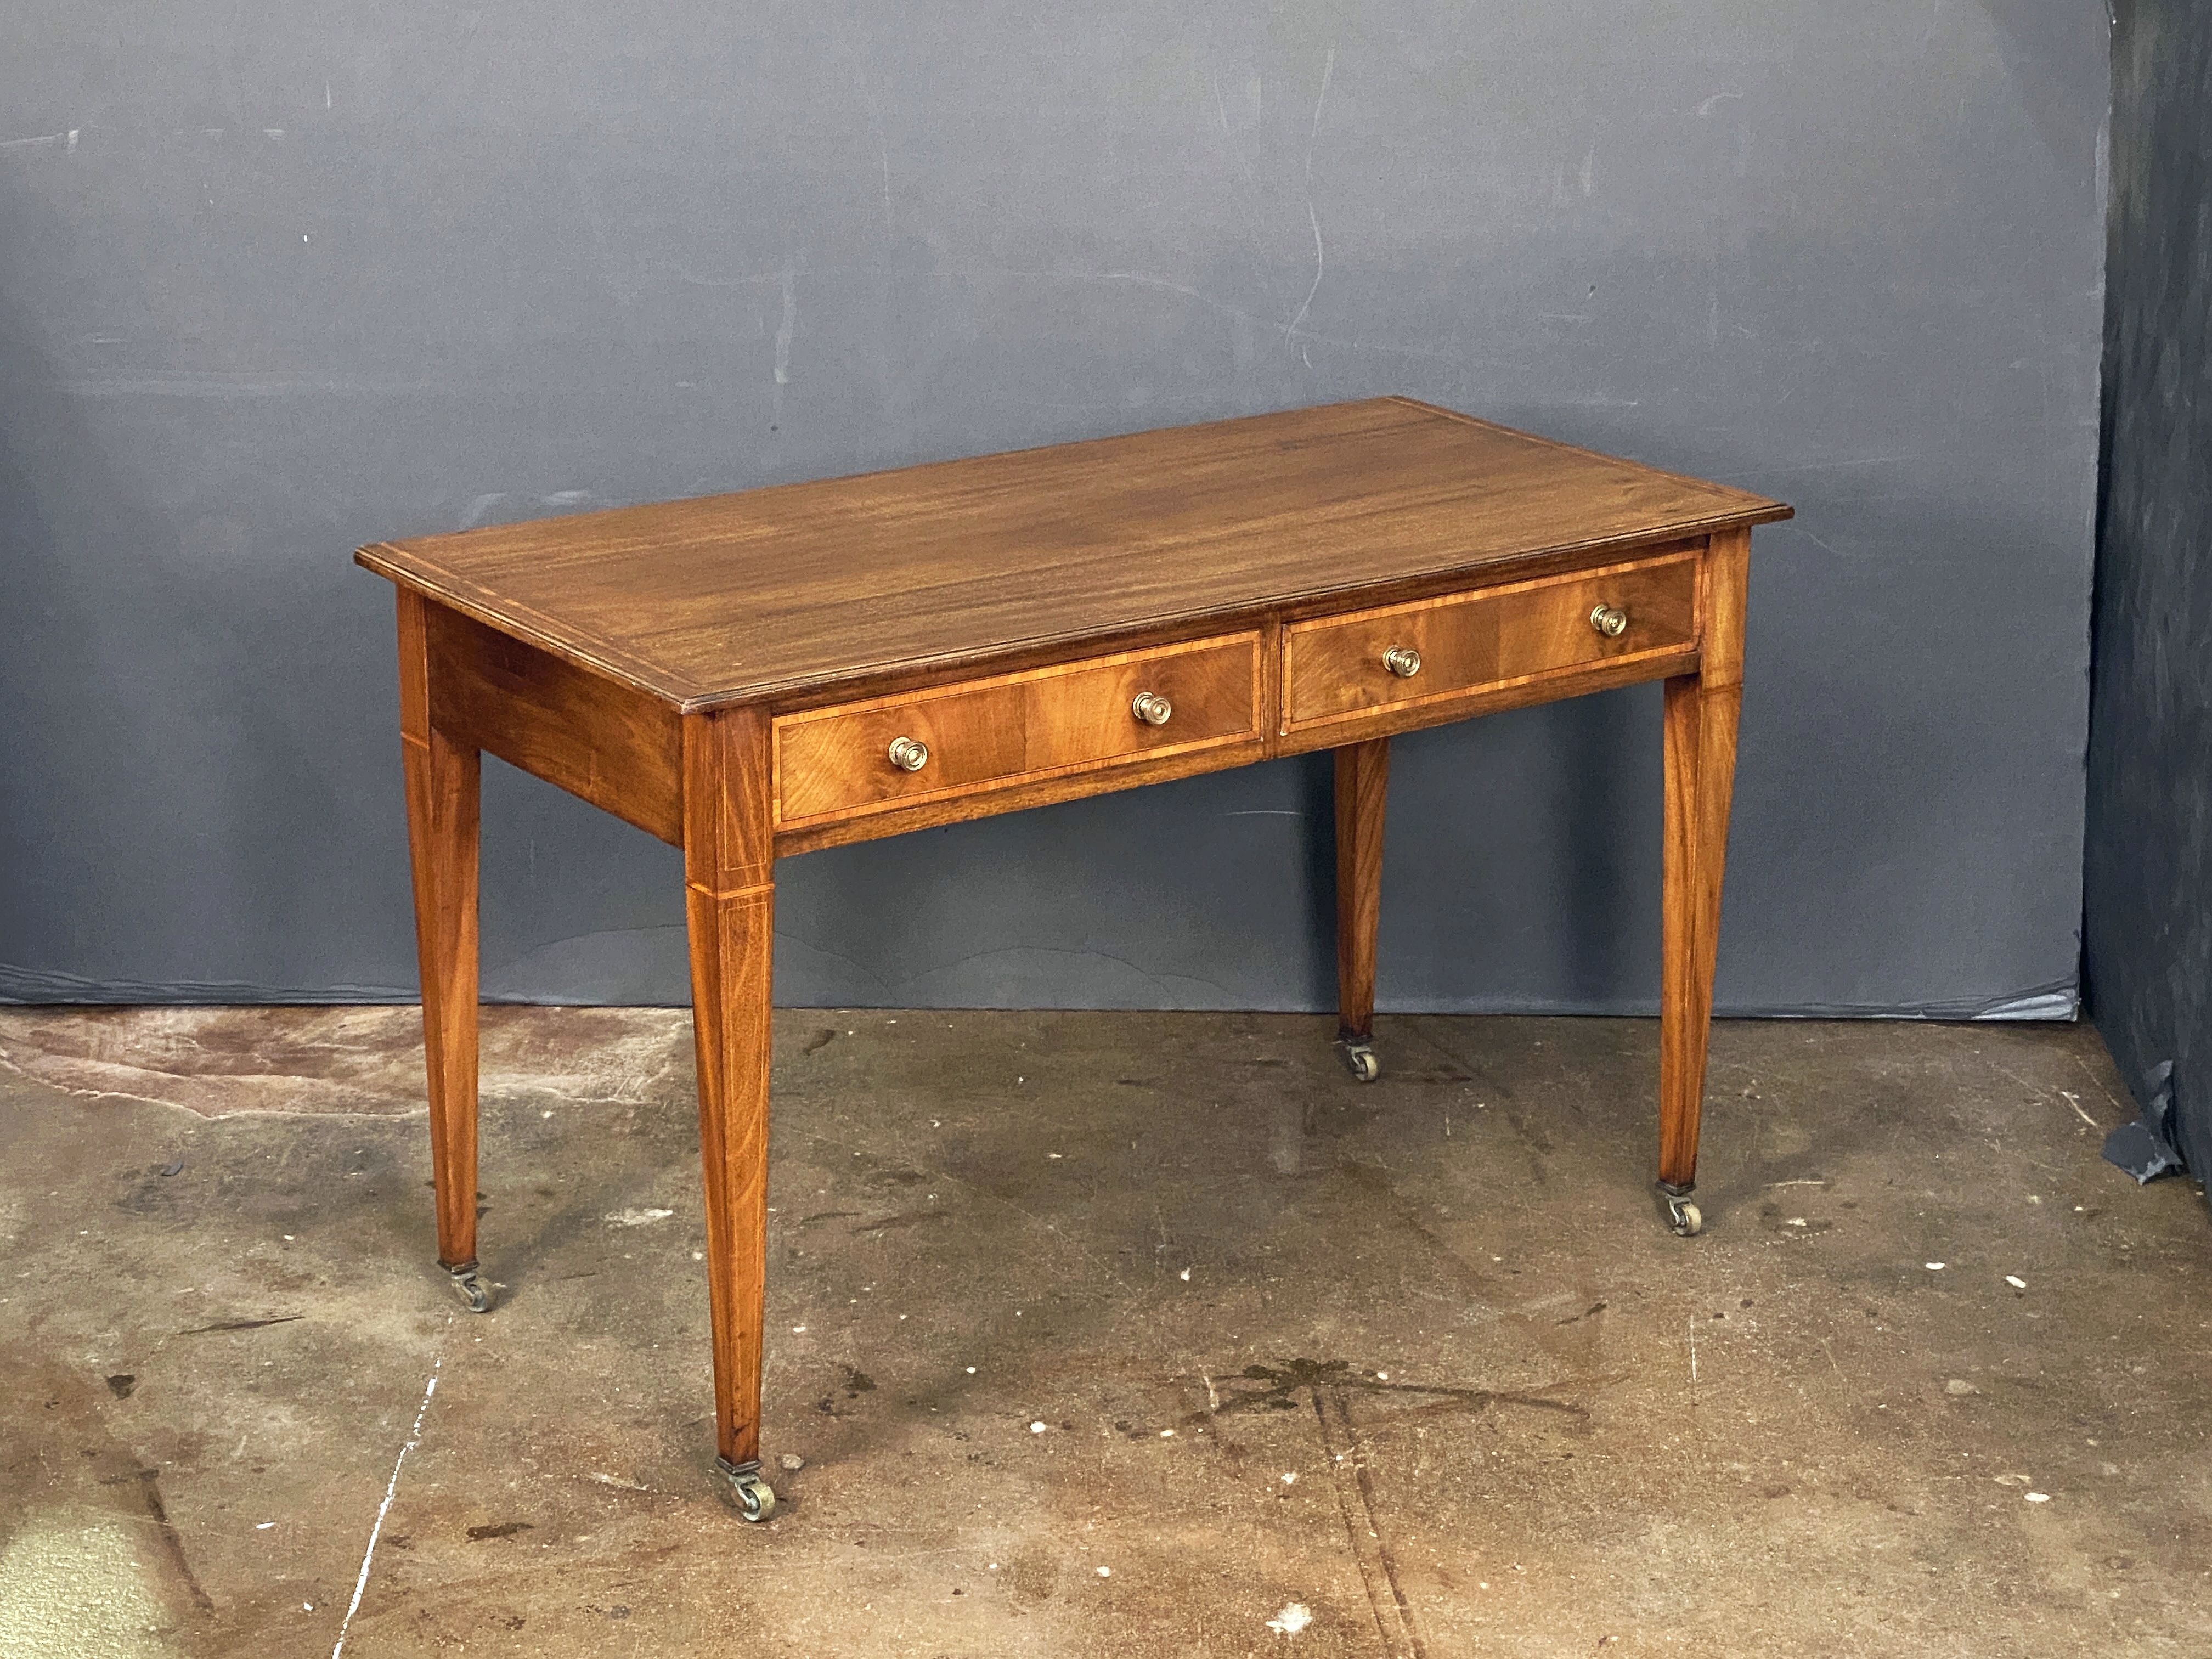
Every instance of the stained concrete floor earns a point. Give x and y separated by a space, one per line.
1100 1335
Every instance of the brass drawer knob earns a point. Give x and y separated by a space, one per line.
910 754
1151 708
1402 660
1610 621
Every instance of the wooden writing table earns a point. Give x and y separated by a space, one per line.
755 675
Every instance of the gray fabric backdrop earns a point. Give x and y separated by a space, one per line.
276 279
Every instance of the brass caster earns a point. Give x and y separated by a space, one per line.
474 1290
754 1497
1683 1219
1360 1059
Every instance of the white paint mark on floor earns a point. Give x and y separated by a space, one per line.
1291 1620
391 1487
636 1218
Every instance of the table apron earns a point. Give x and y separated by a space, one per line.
621 748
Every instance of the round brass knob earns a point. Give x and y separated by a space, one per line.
1151 708
1402 660
1609 621
910 754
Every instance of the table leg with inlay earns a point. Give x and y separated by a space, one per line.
443 777
729 894
1699 769
1363 777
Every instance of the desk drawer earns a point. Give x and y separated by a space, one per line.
838 762
1334 667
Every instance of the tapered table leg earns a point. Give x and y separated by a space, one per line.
443 785
1699 765
730 902
1362 776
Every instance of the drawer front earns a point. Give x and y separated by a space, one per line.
837 762
1334 667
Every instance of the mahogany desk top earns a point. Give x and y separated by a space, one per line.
799 586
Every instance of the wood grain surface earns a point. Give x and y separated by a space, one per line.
444 793
1698 767
1363 778
1332 669
801 586
616 746
834 762
729 892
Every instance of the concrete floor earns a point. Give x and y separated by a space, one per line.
1100 1335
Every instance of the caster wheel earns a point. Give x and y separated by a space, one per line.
1683 1219
473 1289
754 1497
1360 1059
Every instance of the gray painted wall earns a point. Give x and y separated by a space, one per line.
2150 862
275 280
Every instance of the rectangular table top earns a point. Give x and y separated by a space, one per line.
793 587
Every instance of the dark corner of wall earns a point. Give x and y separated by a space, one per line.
2146 931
